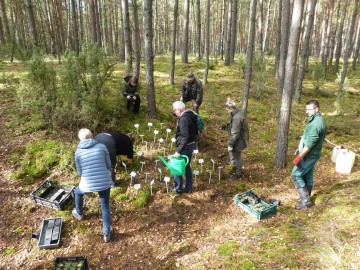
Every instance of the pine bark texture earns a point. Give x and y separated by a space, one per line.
173 42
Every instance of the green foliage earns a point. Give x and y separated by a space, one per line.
317 75
8 251
228 248
39 158
143 198
122 197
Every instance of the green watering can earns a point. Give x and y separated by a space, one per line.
176 165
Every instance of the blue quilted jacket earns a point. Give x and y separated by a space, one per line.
93 165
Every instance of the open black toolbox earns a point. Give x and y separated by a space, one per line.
52 195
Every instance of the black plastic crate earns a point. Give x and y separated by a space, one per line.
71 263
52 195
50 233
254 205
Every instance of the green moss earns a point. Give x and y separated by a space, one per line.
142 199
122 197
8 251
228 248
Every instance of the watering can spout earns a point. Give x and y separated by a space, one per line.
164 161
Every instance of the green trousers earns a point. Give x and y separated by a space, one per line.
304 172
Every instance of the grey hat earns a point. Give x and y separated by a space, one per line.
190 76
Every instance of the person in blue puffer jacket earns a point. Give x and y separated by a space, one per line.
94 167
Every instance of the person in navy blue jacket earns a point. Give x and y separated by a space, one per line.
94 167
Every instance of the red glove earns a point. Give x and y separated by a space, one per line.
296 160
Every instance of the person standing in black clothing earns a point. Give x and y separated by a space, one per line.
123 144
131 93
191 90
108 141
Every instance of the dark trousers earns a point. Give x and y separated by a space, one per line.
136 104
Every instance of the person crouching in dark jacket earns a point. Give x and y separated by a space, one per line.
131 93
186 131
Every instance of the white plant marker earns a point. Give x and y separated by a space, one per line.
195 152
137 128
146 175
161 125
139 154
168 130
164 149
220 172
132 177
213 163
150 125
159 173
142 165
142 138
161 140
210 172
137 187
172 141
124 164
155 133
151 185
156 162
146 148
196 172
167 179
201 161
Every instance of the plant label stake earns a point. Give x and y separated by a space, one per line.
132 177
201 161
146 175
139 154
150 125
196 172
137 128
220 172
210 172
151 185
155 133
142 165
164 149
124 164
142 138
213 163
167 133
195 152
161 140
137 187
167 179
172 141
161 125
156 162
159 173
146 149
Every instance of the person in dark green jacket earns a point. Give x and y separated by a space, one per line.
131 93
309 152
191 90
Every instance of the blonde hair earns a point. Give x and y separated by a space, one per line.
84 133
230 103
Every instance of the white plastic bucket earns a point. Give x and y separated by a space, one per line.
344 161
335 152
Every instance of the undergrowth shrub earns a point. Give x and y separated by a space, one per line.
317 75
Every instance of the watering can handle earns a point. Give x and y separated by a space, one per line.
187 159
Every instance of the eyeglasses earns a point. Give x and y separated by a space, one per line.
307 109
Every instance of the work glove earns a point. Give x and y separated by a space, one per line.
230 148
128 97
176 155
181 99
133 97
296 160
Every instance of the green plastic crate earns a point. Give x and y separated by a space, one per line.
268 211
74 262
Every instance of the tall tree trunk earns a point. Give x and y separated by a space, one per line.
339 38
207 41
93 22
82 39
127 37
264 44
98 27
5 20
346 55
173 42
260 28
75 27
136 39
149 57
284 45
285 110
325 54
32 25
2 36
278 39
249 53
233 30
223 29
185 45
198 31
357 47
305 49
122 44
333 35
228 35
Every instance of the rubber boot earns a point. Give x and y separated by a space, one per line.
309 188
305 199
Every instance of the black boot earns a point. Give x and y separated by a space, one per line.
305 198
309 188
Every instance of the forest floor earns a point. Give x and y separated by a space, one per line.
204 229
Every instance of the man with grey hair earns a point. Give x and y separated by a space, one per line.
191 90
186 131
238 136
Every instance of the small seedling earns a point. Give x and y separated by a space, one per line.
201 161
167 180
137 128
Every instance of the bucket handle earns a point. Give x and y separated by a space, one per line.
184 156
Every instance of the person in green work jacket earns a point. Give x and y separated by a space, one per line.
309 152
